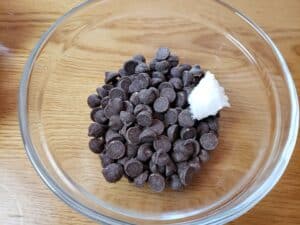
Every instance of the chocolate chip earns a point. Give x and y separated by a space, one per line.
96 145
189 147
129 66
144 119
156 182
111 76
175 183
186 174
153 167
181 99
176 72
144 152
96 130
204 156
196 70
173 60
127 117
105 160
213 123
102 92
188 90
131 150
185 119
165 85
115 149
171 116
162 143
104 101
161 104
93 101
99 117
157 74
115 123
162 66
161 169
113 172
117 93
202 128
122 72
141 179
133 168
128 106
187 78
134 98
169 93
132 135
111 135
147 135
155 91
141 107
173 132
156 81
179 156
157 126
147 96
176 82
140 82
170 168
184 67
142 68
124 84
161 158
209 141
162 53
152 64
123 160
188 133
139 58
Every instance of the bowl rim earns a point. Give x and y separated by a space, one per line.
219 218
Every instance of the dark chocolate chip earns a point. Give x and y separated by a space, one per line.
188 133
131 150
141 179
139 58
186 174
162 53
196 70
128 106
147 135
96 130
189 147
140 82
179 156
144 152
102 92
147 96
98 116
162 66
184 67
115 149
115 123
209 141
113 172
117 93
142 68
129 66
176 72
204 156
123 161
96 145
105 160
187 78
162 143
93 101
141 107
169 93
170 168
133 168
127 117
176 82
152 64
173 132
122 72
173 60
124 83
181 99
157 126
185 119
213 123
202 127
175 183
161 104
111 135
132 135
157 74
171 116
111 76
134 98
156 182
161 158
144 119
165 85
155 91
104 101
153 167
155 81
188 90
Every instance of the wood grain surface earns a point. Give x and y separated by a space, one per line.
25 199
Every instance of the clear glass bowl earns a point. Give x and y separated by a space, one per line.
257 134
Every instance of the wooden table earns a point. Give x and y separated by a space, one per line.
24 199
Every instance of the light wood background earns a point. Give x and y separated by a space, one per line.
24 199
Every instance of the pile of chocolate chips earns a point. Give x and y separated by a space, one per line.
143 128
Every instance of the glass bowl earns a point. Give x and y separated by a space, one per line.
257 134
